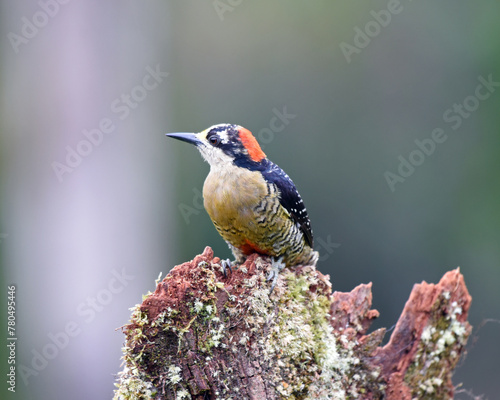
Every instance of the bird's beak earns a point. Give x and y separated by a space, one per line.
186 137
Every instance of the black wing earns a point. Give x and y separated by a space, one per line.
290 198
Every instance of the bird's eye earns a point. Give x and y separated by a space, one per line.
214 140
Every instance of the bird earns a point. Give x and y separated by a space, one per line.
253 203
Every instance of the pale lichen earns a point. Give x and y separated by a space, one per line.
440 345
133 386
173 374
289 333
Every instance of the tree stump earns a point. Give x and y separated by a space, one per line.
203 335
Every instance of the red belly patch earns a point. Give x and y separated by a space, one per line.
249 248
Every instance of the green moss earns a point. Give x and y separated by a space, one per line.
289 333
302 339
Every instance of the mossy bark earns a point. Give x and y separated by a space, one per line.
202 335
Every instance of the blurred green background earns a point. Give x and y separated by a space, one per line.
84 236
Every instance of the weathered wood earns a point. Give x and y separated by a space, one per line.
202 335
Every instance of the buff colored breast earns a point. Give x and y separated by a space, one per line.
246 212
230 199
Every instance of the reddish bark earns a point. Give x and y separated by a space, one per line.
417 362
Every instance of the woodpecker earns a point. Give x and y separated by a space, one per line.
253 203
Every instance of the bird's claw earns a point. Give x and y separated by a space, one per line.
226 265
276 267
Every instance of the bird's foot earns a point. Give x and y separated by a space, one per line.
276 267
226 266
